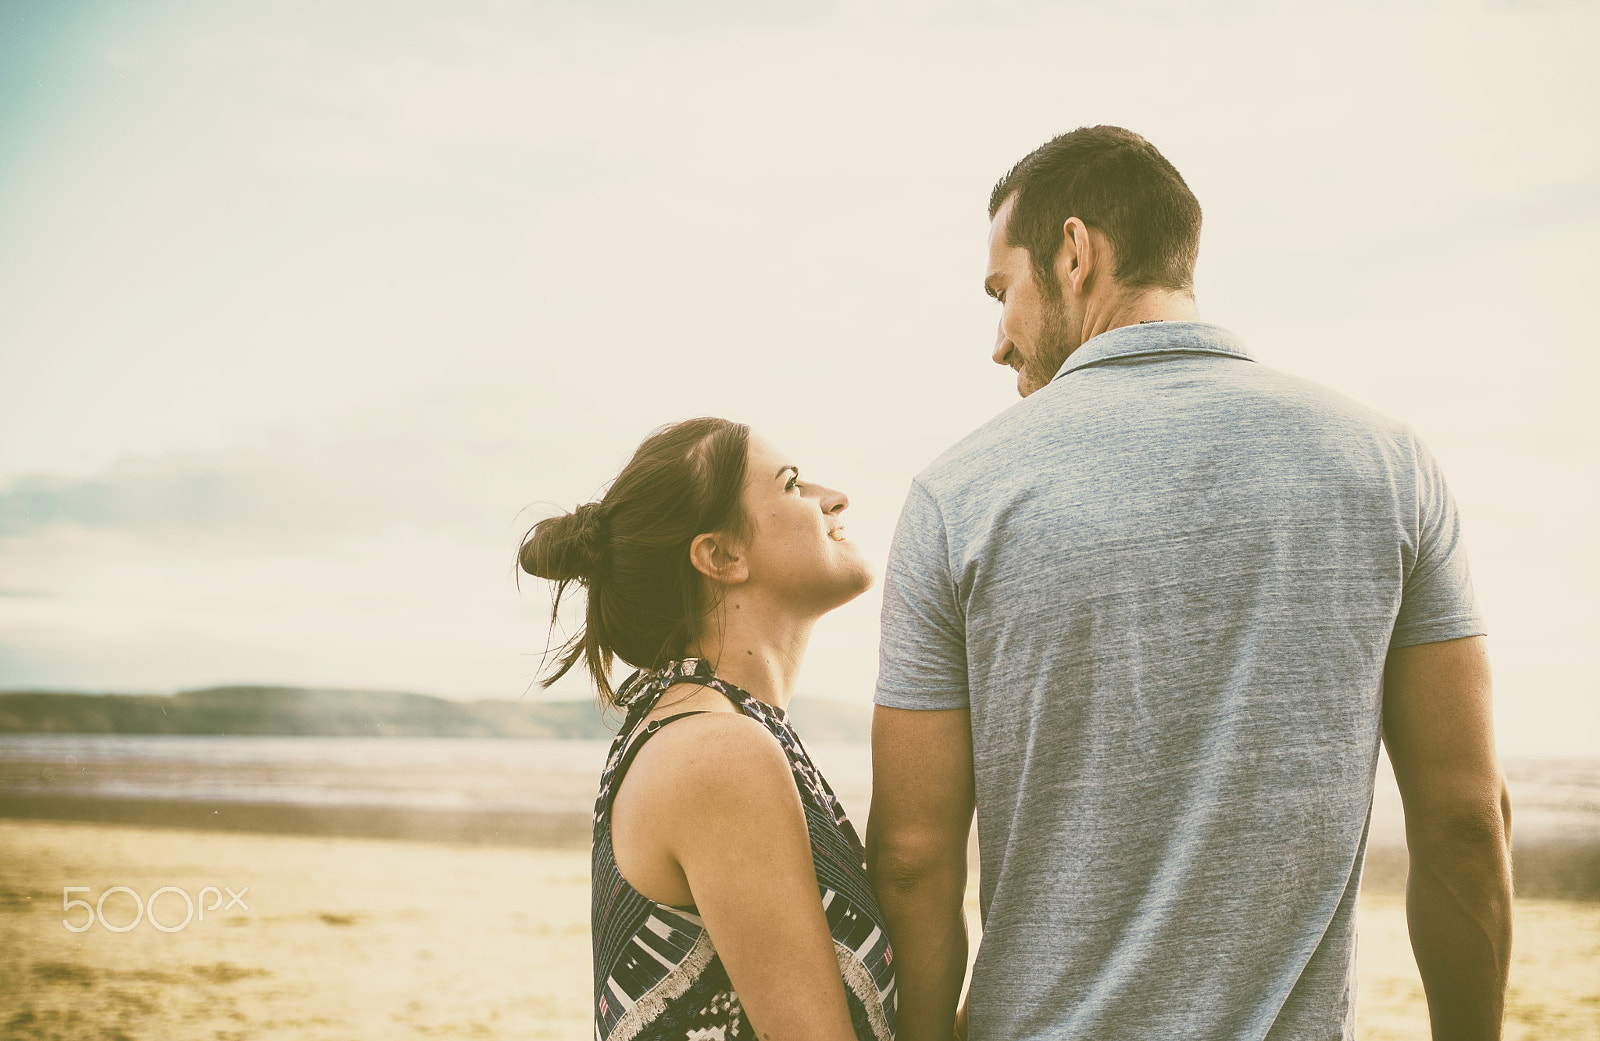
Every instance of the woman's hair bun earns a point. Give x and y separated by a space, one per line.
568 547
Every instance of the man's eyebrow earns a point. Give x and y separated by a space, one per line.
989 285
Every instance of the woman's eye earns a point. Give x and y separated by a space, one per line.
793 483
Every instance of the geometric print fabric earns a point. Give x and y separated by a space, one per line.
657 976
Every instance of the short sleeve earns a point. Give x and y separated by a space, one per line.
1437 601
922 654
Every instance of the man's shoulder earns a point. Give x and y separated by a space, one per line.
1255 397
979 454
1304 407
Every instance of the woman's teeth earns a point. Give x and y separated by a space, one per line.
837 534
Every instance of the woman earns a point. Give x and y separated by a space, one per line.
730 897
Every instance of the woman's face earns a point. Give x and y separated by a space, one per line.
798 549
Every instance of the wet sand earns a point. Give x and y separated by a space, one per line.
541 794
550 829
345 937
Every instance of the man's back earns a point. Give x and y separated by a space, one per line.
1165 586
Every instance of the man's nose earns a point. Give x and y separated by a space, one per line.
1002 344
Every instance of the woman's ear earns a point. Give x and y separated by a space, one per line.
717 557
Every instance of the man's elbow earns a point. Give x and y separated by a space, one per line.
1505 812
1472 830
916 862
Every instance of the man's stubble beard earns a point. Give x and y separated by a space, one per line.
1059 336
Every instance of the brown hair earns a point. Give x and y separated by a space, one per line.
1114 180
630 550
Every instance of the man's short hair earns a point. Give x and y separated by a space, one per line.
1114 180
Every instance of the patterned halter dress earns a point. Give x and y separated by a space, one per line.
657 976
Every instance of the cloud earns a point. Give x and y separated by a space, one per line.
172 499
1287 269
131 496
418 465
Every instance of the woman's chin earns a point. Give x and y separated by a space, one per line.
858 583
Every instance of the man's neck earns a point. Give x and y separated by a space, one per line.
1146 305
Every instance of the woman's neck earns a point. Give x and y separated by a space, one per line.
755 650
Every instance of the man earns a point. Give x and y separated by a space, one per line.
1153 621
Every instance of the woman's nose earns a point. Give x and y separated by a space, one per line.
834 501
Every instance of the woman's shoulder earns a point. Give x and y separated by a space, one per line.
713 744
712 762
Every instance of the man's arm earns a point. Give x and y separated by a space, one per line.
1439 731
922 797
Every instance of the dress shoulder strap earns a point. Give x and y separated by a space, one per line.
715 684
650 730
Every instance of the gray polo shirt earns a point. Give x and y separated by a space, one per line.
1165 585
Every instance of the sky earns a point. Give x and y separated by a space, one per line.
309 311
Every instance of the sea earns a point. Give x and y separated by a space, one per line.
501 774
1553 799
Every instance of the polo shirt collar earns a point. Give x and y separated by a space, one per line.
1132 341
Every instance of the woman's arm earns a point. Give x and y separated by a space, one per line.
722 803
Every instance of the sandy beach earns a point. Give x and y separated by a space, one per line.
335 937
339 938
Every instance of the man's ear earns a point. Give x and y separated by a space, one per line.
1078 256
718 558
